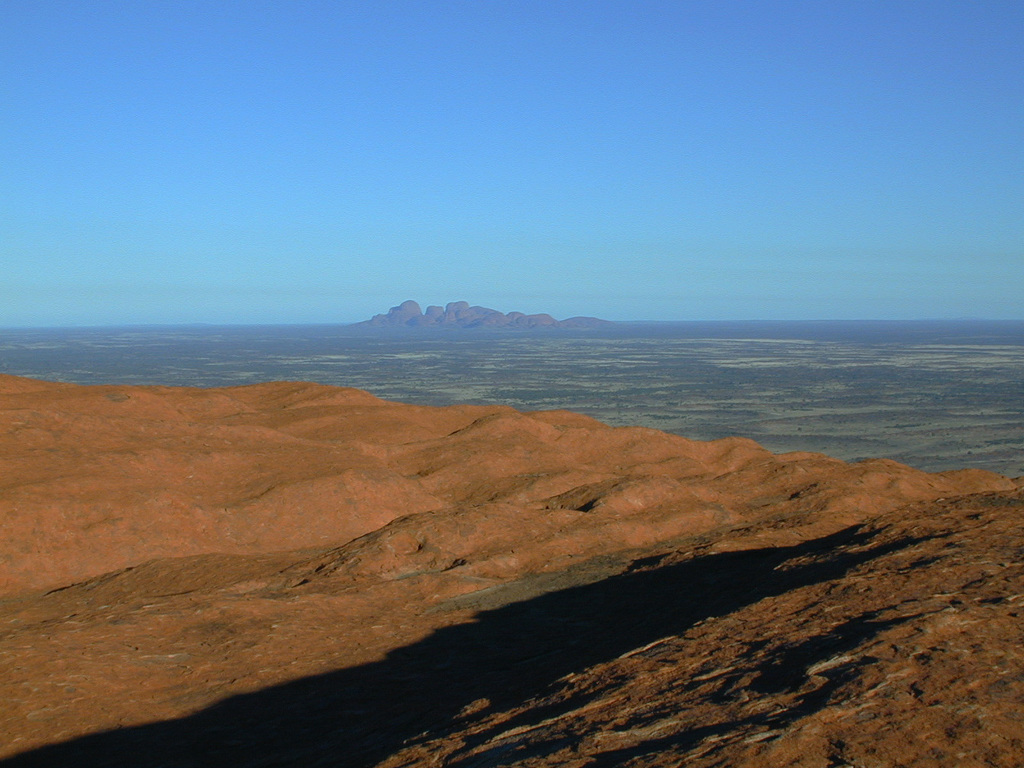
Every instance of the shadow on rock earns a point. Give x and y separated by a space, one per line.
357 716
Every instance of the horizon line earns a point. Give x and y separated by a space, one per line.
345 324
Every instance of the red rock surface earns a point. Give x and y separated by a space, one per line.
299 574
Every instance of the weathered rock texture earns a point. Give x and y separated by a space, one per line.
293 574
459 314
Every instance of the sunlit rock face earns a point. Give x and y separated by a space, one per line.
284 573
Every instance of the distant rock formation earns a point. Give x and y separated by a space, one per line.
459 314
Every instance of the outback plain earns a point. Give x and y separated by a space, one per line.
935 395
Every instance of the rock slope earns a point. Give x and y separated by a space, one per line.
298 574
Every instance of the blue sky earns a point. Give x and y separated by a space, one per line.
243 161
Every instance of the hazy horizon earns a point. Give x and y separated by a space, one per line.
937 395
753 321
316 162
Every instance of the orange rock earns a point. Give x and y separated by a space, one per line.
493 580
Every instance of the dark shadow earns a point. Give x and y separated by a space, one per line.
357 716
784 671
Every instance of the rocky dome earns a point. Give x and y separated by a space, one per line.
298 574
459 314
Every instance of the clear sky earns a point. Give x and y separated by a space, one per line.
246 161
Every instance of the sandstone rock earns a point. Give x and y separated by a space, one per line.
290 573
406 313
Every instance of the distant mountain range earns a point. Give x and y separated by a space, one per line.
459 314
